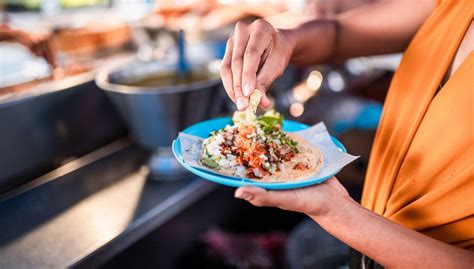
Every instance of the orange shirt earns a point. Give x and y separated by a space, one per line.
421 170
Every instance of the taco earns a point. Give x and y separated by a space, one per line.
258 148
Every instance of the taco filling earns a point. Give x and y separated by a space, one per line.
257 148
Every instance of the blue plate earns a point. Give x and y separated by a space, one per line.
203 129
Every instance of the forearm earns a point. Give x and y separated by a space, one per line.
378 28
389 243
6 34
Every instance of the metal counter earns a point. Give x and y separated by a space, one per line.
53 122
90 209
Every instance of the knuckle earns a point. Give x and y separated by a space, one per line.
263 85
240 25
263 28
260 23
251 53
258 202
224 68
236 61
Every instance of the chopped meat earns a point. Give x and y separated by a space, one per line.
300 166
258 152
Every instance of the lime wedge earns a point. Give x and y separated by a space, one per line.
239 116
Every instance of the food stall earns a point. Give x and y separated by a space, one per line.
87 176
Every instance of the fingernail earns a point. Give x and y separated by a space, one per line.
240 103
244 195
247 89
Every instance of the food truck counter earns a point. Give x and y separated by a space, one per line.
90 209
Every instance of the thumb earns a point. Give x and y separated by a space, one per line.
287 200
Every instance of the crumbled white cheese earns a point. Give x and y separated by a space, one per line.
240 171
257 173
282 167
227 162
213 148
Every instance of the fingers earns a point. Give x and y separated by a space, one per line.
265 102
47 53
50 53
269 72
226 72
259 41
241 39
251 61
57 73
41 46
287 200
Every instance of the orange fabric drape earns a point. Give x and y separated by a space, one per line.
421 170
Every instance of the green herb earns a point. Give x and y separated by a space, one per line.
213 133
289 142
274 114
209 162
269 121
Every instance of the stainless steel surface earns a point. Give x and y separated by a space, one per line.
178 242
163 165
90 209
97 155
49 124
155 115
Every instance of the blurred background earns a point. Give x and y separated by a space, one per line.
92 94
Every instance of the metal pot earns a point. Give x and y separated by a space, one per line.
155 114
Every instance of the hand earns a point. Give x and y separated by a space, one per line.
255 56
40 45
314 201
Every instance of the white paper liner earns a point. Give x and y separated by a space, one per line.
317 135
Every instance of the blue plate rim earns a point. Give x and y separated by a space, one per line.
238 182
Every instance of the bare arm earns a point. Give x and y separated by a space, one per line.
40 45
257 54
378 28
389 243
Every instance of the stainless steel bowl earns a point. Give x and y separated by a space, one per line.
155 114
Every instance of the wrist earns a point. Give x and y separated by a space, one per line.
291 38
22 38
9 35
314 42
334 206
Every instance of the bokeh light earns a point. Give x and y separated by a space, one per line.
296 109
314 80
336 81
